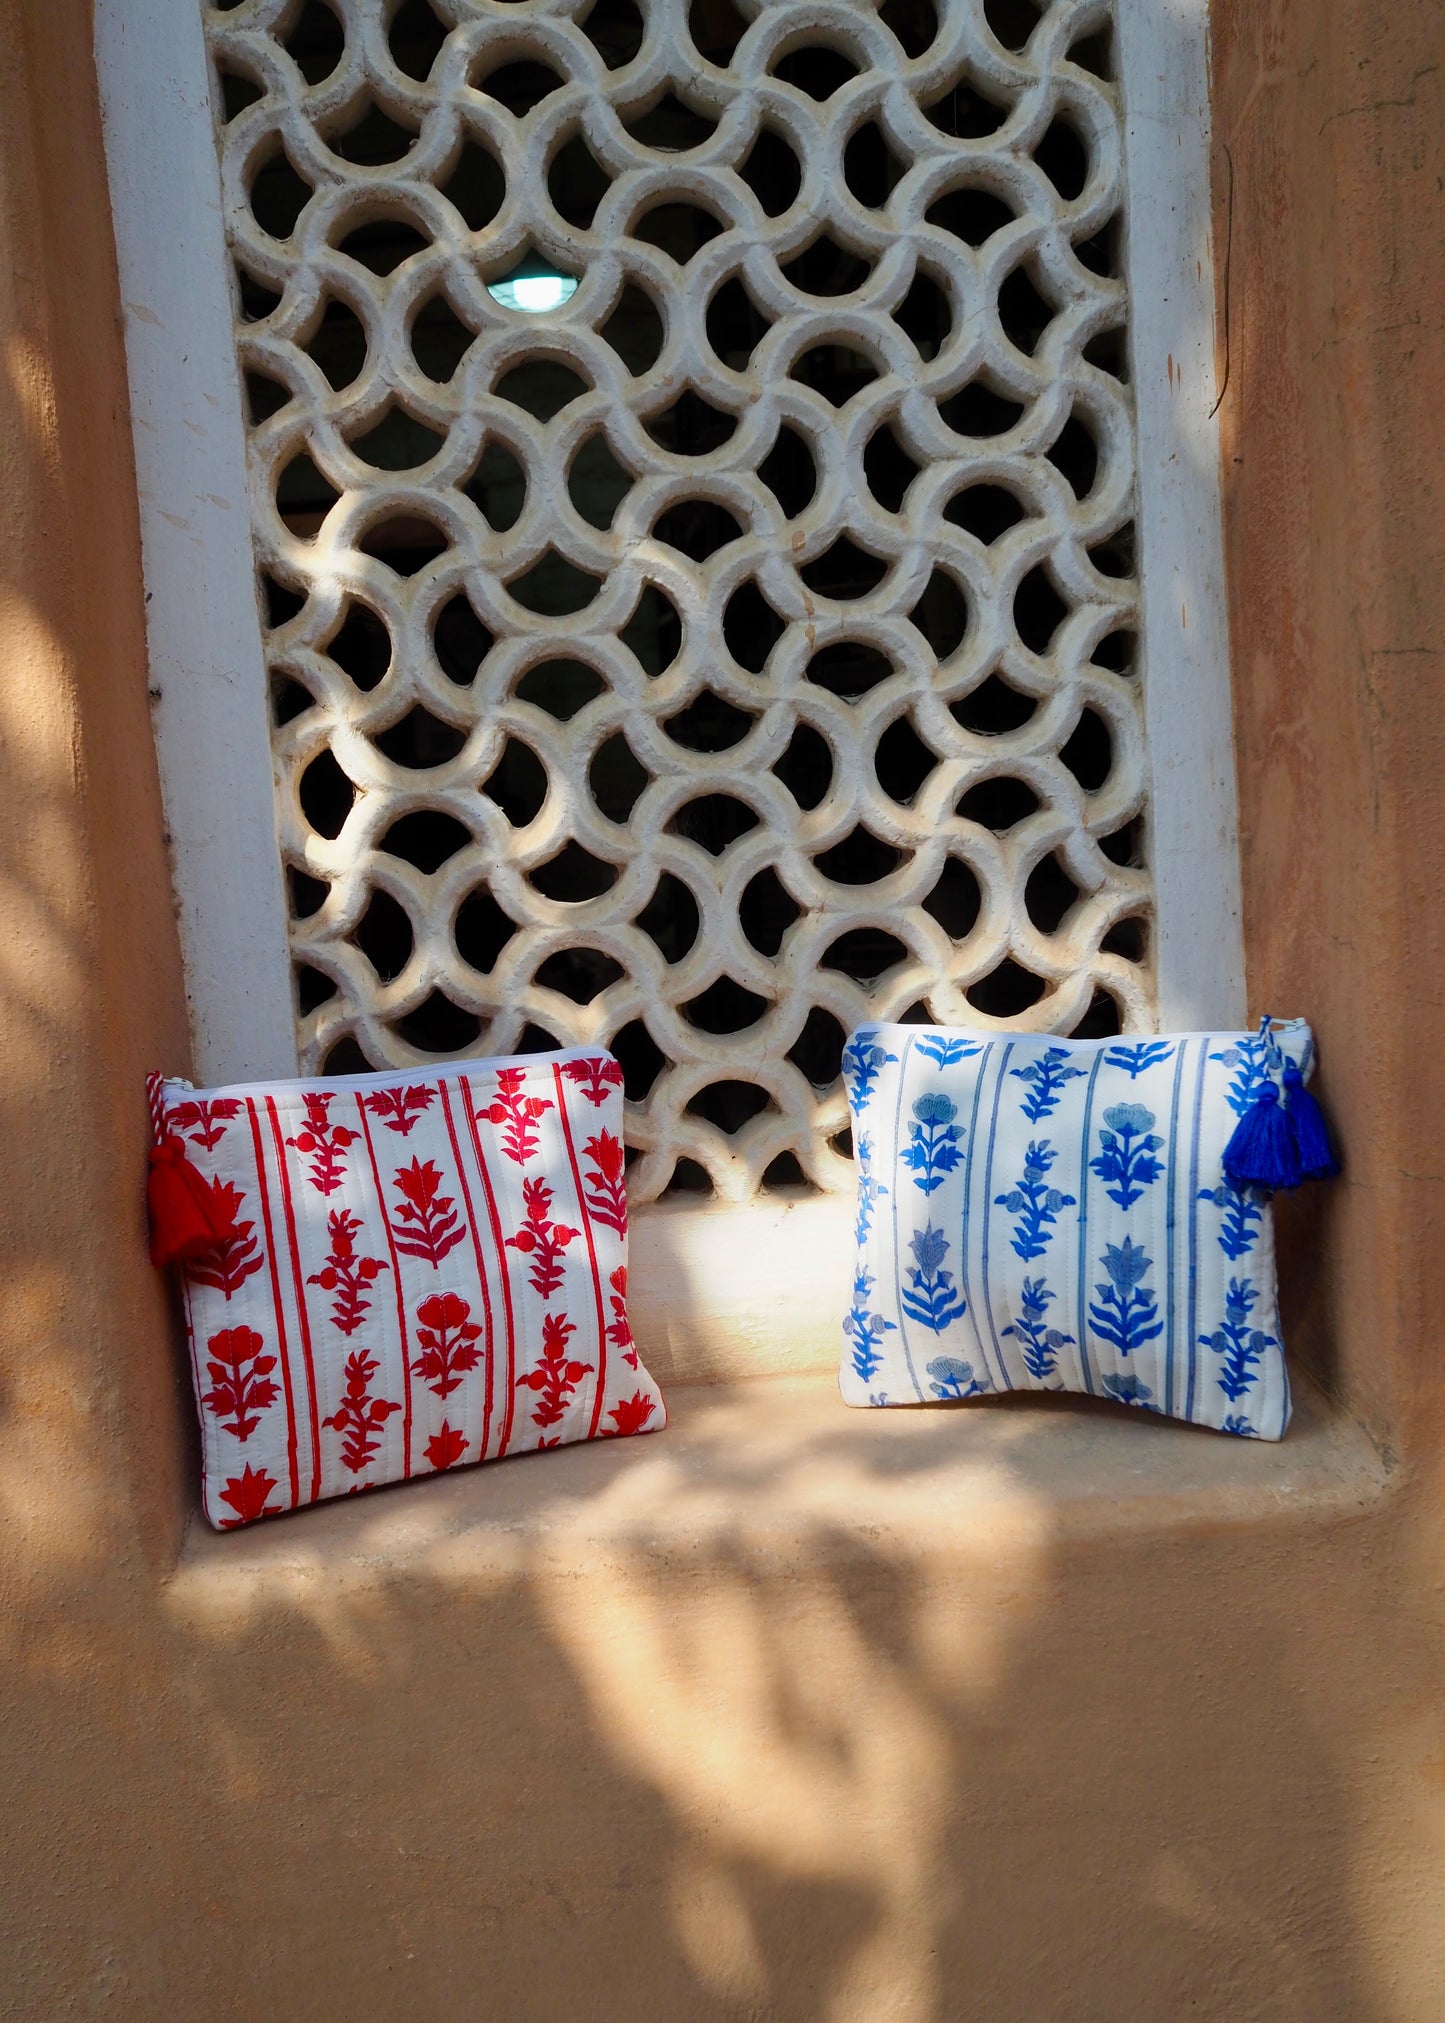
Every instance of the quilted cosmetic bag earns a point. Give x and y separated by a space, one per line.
385 1275
1038 1214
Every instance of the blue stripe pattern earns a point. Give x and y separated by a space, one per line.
897 1184
1058 1218
1192 1333
1083 1280
1173 1218
988 1312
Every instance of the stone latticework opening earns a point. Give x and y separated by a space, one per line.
741 643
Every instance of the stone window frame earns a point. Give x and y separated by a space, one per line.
209 685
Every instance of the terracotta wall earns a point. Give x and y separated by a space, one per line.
89 1430
1334 468
740 1751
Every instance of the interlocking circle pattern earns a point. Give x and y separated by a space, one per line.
707 694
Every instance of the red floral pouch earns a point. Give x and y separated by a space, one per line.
387 1275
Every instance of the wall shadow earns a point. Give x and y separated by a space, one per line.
715 1732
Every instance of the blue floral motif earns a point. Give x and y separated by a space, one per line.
1249 1058
1135 1059
932 1150
930 1296
1127 1158
877 1397
870 1188
1036 1204
1237 1423
1039 1342
1128 1390
862 1060
955 1379
863 1330
1046 1078
1125 1313
946 1053
1243 1211
1240 1345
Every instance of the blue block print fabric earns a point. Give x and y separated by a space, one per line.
1038 1214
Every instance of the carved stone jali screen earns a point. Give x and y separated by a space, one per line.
693 487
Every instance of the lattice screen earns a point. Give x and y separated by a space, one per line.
745 646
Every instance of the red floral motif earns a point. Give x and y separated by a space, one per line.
555 1378
238 1394
448 1337
541 1239
401 1109
594 1078
606 1183
630 1416
619 1330
227 1265
248 1494
324 1142
212 1117
346 1274
446 1447
518 1113
427 1219
360 1417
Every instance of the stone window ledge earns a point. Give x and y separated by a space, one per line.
777 1465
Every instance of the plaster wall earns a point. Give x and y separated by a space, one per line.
1008 1715
1334 474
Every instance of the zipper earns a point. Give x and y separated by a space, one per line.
1278 1029
382 1077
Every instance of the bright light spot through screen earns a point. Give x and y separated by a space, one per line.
533 293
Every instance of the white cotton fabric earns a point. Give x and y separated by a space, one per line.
1052 1215
427 1270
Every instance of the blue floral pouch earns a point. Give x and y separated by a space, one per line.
1037 1214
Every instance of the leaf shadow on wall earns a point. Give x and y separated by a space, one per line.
732 1723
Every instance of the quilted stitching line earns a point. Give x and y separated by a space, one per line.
303 1323
284 1349
476 1233
400 1291
509 1409
600 1382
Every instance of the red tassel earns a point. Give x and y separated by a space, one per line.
184 1218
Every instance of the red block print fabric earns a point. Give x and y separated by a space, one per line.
426 1270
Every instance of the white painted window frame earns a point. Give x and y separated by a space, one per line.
209 686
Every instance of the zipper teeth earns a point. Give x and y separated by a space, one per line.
380 1077
1278 1029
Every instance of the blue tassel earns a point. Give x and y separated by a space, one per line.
1312 1141
1263 1152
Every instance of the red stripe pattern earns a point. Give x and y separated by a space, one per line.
424 1274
